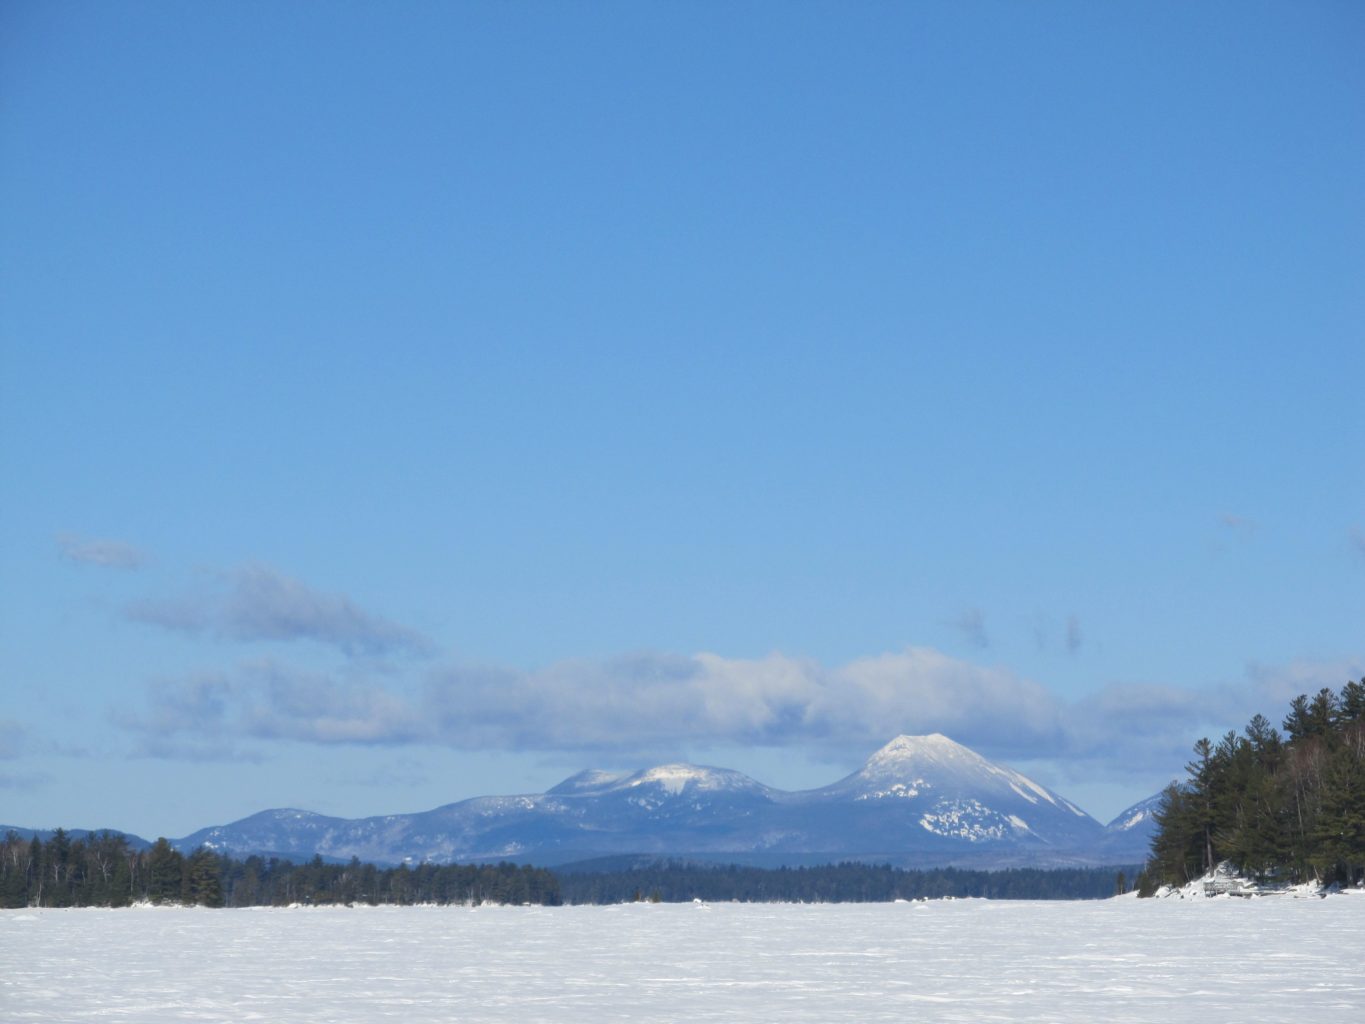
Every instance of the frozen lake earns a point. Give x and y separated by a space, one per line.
1117 960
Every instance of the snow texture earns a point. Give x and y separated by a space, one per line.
1120 960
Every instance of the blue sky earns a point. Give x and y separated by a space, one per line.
400 403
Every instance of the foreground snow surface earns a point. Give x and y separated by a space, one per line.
971 960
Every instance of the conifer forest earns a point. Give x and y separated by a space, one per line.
103 870
1281 808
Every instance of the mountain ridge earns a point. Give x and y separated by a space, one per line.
918 801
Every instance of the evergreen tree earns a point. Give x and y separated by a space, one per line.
1290 808
1203 789
1352 704
1177 845
202 884
1339 832
165 872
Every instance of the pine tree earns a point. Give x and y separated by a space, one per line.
1204 785
1339 831
1178 840
1352 703
165 872
1298 723
1273 807
202 885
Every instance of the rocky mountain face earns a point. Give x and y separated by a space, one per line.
920 801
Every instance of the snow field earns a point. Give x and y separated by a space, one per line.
1214 960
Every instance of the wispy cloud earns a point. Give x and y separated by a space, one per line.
24 780
14 743
257 603
108 554
1276 685
193 718
971 624
263 700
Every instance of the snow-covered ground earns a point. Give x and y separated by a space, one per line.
1208 960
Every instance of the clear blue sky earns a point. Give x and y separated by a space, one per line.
400 403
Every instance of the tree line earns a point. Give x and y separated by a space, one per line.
1287 808
673 881
104 870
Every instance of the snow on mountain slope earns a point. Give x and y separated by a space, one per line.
919 800
904 765
283 830
1128 838
664 779
954 792
1138 817
588 781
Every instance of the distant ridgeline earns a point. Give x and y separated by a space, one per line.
672 881
104 870
1287 808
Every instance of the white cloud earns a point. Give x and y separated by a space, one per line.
633 702
644 704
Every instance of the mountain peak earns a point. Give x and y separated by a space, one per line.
671 779
905 742
674 778
934 747
938 769
590 780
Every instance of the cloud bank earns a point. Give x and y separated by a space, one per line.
663 702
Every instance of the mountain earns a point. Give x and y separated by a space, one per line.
657 810
930 794
1128 838
919 801
45 835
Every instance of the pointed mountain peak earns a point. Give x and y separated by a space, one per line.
936 768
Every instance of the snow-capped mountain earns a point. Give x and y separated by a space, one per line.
919 790
657 810
1128 838
918 801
